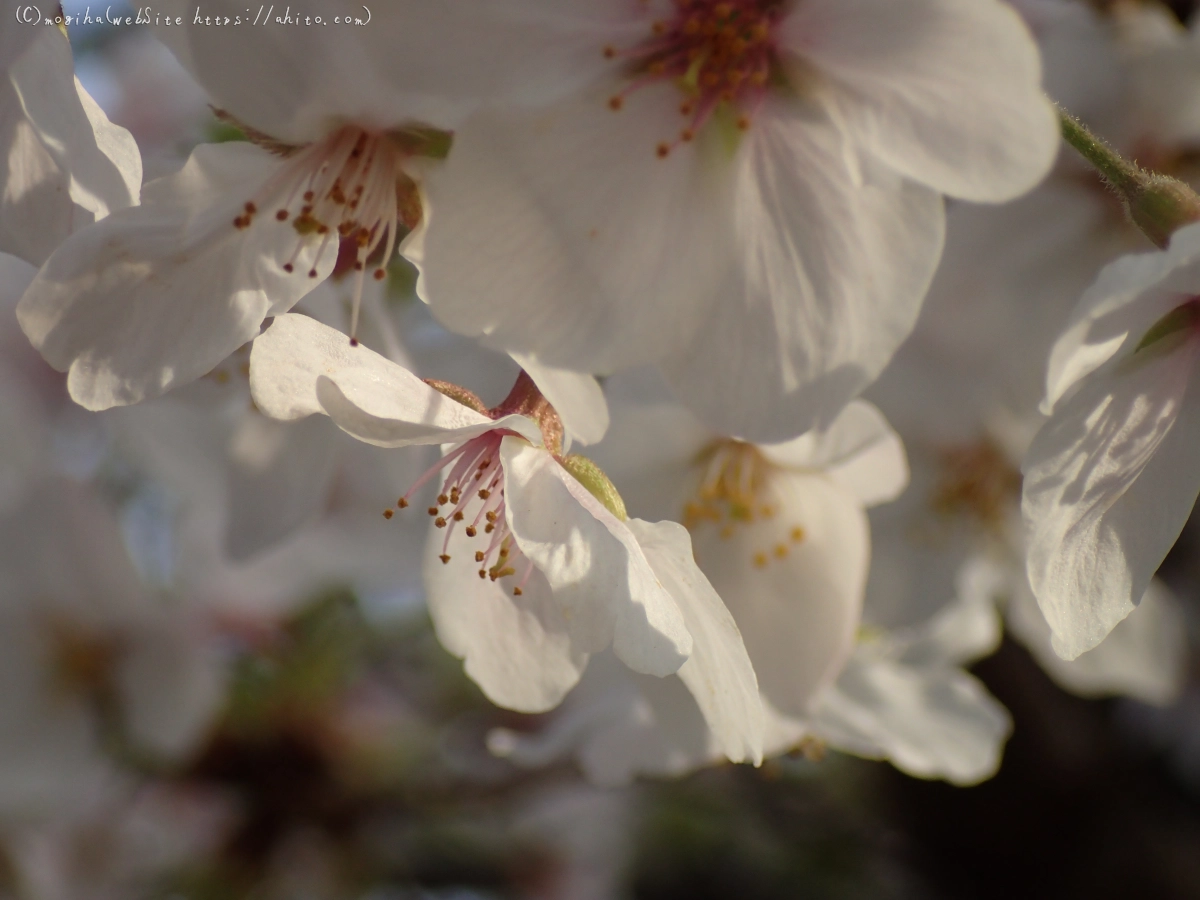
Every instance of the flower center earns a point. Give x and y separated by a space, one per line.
80 662
719 53
977 480
348 190
730 494
473 493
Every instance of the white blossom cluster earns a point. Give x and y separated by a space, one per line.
686 236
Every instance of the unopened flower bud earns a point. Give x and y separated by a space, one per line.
1160 205
1157 204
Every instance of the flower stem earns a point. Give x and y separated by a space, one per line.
1157 204
1117 171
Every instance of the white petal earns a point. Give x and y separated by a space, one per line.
100 158
577 398
961 632
1144 656
859 450
37 213
837 254
280 477
289 357
62 546
796 596
649 453
292 80
601 580
947 93
299 367
520 650
388 431
172 687
1109 483
1128 297
718 673
67 165
931 723
619 725
155 296
537 231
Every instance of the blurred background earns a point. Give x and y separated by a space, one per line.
323 745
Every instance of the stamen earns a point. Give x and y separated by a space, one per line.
348 187
478 458
717 53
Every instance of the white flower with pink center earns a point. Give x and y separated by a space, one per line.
528 571
745 192
158 295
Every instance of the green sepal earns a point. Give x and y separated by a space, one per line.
1181 318
592 477
420 140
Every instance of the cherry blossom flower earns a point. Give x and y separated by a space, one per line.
528 573
963 391
66 165
746 192
1109 479
781 531
159 295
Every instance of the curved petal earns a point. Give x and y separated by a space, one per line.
280 476
959 633
1144 656
837 255
931 723
859 450
521 651
618 725
288 359
413 61
600 577
577 398
66 164
36 213
1128 296
537 230
946 93
718 673
384 431
794 581
649 453
101 160
155 296
1109 483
